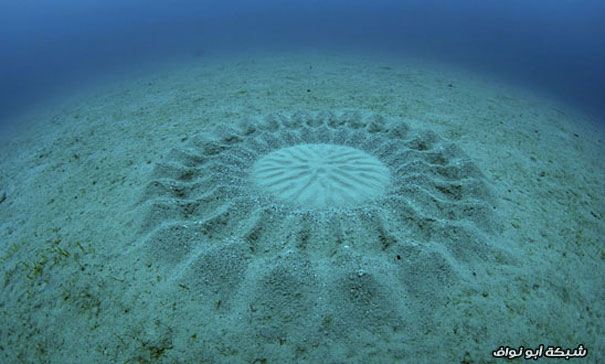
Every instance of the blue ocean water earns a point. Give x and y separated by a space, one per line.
553 46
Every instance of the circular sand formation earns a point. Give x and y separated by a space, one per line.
321 175
309 222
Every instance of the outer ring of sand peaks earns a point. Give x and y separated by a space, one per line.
423 187
321 175
212 222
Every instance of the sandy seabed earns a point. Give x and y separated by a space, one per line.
87 276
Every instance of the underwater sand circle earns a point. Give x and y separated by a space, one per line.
366 213
321 175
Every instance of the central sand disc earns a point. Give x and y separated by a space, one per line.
321 175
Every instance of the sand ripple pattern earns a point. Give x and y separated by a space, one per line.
323 224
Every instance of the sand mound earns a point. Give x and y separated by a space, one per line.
362 213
